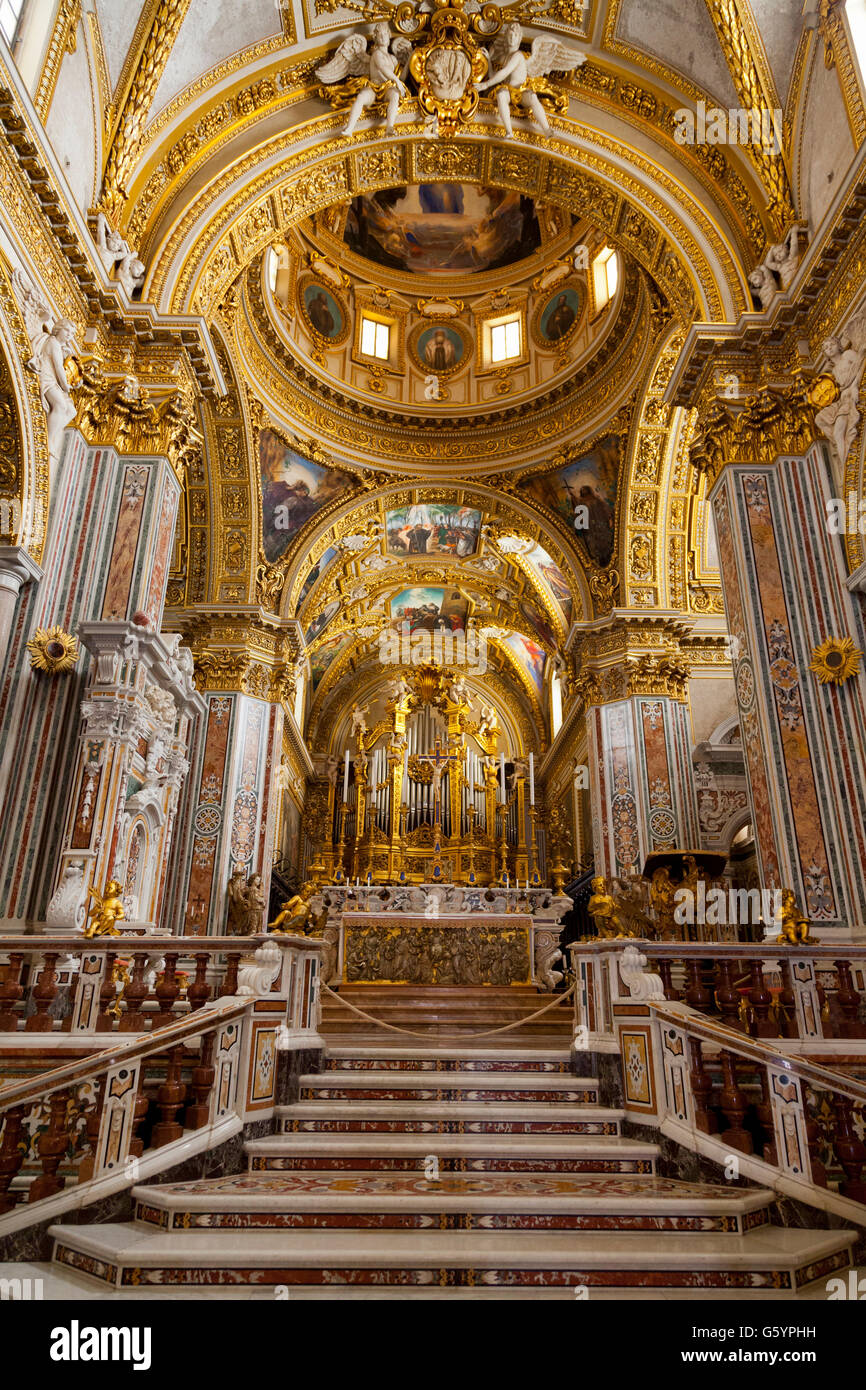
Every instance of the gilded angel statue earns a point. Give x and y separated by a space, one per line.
517 76
369 76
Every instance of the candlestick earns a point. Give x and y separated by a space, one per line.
531 780
502 774
346 778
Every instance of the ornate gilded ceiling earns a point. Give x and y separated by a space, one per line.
217 155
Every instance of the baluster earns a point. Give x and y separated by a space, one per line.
91 1129
813 1141
702 1089
51 1146
133 1021
850 1150
43 992
11 991
170 1097
199 991
849 1002
230 983
734 1106
697 995
139 1115
764 1112
788 1025
201 1081
13 1150
107 995
167 990
760 1000
664 969
728 996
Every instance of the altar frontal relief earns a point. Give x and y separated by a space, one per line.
434 529
293 490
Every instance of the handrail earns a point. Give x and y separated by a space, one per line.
757 1049
138 1045
658 950
157 945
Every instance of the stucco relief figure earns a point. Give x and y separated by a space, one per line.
49 360
783 258
382 71
246 904
839 420
513 73
763 285
117 257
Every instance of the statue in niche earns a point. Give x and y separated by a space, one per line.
372 76
517 77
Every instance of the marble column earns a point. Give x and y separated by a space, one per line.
642 794
17 568
106 558
641 783
784 580
230 808
136 717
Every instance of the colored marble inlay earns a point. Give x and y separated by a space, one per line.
752 744
784 675
122 564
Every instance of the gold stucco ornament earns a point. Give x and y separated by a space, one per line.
835 660
53 650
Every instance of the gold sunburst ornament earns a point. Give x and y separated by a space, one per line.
835 660
53 650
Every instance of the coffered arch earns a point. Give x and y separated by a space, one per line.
632 198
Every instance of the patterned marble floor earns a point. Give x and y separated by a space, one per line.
637 1189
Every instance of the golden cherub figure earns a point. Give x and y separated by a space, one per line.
107 909
602 909
295 913
795 927
663 900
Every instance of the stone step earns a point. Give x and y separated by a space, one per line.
444 1117
407 1201
535 1059
135 1255
468 1086
454 1153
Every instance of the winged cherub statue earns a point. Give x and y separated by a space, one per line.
371 76
516 75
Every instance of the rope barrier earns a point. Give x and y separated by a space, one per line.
412 1033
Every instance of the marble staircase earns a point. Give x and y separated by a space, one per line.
448 1010
473 1170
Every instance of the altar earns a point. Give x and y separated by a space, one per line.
439 934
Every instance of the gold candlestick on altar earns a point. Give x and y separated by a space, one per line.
503 847
470 811
339 874
533 817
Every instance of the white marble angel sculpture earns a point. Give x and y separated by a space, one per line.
117 256
384 68
512 73
52 342
846 354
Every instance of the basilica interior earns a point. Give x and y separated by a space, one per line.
432 632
